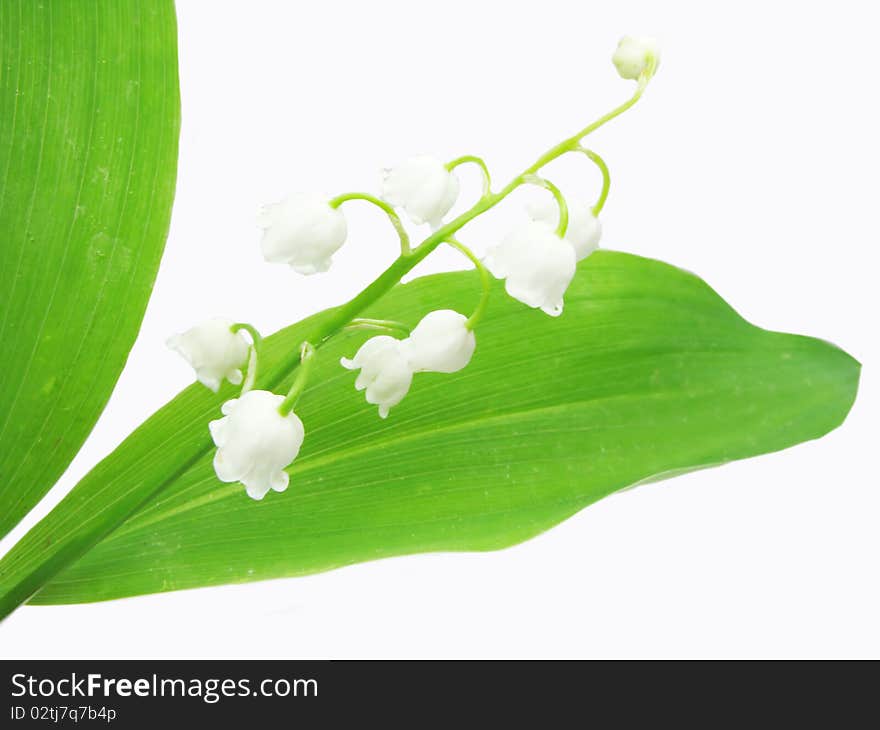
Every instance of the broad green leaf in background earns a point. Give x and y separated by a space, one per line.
648 372
89 118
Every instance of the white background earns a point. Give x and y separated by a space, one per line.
752 160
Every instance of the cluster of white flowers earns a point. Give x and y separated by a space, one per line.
442 342
259 435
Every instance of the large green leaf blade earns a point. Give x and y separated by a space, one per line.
647 373
89 108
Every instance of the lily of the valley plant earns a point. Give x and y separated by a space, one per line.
258 434
500 400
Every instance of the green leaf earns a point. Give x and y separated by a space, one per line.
648 372
89 109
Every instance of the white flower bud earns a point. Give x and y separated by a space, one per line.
584 229
440 343
214 351
302 231
537 265
385 372
255 443
634 55
423 187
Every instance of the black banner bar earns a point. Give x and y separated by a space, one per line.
133 694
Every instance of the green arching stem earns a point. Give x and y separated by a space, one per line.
251 375
606 179
253 357
481 163
641 85
562 226
474 319
256 337
392 215
385 325
306 358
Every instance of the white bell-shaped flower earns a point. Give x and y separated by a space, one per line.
634 55
255 443
423 187
584 229
385 372
302 231
214 351
440 343
536 264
